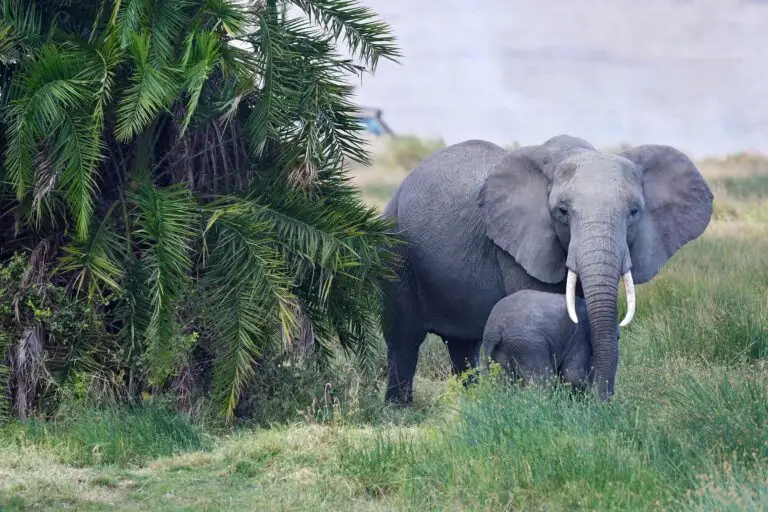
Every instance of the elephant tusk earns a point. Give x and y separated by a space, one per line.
570 295
629 286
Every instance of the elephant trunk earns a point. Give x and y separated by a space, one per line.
570 297
598 257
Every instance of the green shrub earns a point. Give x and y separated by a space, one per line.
49 341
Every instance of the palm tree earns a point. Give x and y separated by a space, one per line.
178 165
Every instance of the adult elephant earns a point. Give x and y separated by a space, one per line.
481 222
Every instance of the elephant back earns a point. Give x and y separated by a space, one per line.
444 187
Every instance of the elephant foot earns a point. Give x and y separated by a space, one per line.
398 400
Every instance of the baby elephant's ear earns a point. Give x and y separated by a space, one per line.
494 349
514 202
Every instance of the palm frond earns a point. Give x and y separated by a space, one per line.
7 44
199 63
330 125
53 93
328 233
304 100
273 112
103 61
227 14
152 90
167 21
133 312
132 18
366 36
248 297
78 152
45 94
21 30
97 262
167 218
338 252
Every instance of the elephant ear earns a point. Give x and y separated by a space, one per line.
514 204
678 207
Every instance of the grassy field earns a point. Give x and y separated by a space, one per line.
688 429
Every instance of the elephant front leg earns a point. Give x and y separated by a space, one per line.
402 362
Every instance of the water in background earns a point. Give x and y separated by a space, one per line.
693 74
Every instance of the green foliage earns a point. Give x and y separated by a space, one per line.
46 336
186 157
125 436
165 227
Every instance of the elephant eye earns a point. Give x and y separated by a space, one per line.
562 210
634 211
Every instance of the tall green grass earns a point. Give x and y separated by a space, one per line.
527 448
752 187
125 436
710 304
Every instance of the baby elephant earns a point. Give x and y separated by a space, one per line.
531 336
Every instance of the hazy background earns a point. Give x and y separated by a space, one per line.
693 74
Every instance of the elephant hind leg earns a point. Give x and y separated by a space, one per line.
465 355
404 333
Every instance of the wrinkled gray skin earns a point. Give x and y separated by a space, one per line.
482 222
531 336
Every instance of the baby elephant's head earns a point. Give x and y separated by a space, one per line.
531 335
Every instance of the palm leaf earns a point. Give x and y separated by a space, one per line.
338 251
167 218
272 114
103 60
248 297
167 21
227 14
202 58
54 91
46 93
366 36
21 30
152 90
132 18
78 152
97 262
